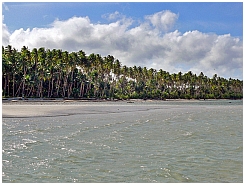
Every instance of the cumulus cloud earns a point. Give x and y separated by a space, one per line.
5 33
143 44
163 20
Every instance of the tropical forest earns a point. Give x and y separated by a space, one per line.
46 73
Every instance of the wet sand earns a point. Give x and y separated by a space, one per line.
21 109
60 107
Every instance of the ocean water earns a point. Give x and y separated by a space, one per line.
159 141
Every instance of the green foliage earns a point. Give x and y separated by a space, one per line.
55 73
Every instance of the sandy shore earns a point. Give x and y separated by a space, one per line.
13 108
21 109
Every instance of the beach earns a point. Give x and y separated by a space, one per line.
59 107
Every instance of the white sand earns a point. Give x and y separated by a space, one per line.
15 108
32 110
53 109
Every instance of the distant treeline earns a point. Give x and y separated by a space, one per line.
45 73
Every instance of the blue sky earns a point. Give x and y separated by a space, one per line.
221 18
183 23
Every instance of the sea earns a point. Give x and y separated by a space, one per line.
126 142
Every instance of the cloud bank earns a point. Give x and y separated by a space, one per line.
151 43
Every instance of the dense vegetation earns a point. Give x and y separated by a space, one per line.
45 73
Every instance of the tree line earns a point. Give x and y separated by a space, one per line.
45 73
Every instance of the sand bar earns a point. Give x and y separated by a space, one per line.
21 109
52 108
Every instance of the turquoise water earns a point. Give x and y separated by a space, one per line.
161 141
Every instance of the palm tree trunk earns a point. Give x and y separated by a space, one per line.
13 84
5 85
52 87
18 90
58 83
28 95
8 84
41 89
49 87
82 89
23 88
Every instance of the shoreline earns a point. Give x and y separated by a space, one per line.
61 101
19 99
54 108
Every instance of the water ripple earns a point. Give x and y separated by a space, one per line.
188 144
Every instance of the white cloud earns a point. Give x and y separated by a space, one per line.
5 34
139 45
113 16
163 20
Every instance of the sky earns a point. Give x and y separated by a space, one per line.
199 37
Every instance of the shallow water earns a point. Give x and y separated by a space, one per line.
163 141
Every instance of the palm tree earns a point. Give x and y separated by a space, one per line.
57 73
50 71
25 60
83 66
10 64
41 68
